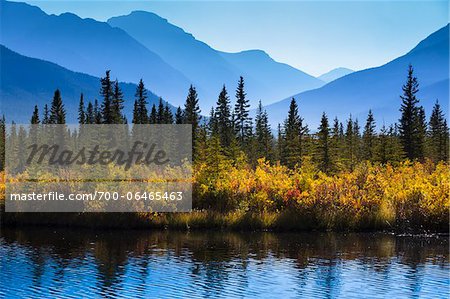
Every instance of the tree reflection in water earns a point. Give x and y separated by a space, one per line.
63 263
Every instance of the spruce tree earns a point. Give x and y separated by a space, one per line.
153 119
106 92
212 127
438 135
179 119
357 140
350 146
409 122
280 148
223 119
46 115
81 111
369 137
117 105
242 121
97 113
168 116
294 132
141 101
136 113
35 117
263 134
388 147
90 115
57 110
337 142
192 114
323 156
160 114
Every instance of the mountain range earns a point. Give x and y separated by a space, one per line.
43 52
146 46
26 82
265 78
378 88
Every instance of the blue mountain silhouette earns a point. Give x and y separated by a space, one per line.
378 88
88 46
29 81
265 78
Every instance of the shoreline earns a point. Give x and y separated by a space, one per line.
287 221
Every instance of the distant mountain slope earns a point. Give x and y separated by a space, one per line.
26 82
273 78
378 88
335 74
209 69
87 46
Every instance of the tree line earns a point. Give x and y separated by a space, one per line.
231 134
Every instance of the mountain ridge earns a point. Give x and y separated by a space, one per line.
87 46
19 99
378 88
209 68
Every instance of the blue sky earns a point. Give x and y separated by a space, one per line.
314 36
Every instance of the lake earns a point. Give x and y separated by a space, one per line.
62 263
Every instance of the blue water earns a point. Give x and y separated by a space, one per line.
44 263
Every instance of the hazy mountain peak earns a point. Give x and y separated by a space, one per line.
335 74
437 37
256 52
208 68
149 21
88 46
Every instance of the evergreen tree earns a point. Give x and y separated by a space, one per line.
117 105
337 142
263 134
438 135
323 156
35 117
409 122
192 114
369 137
153 115
106 92
280 149
141 104
179 119
57 110
212 124
388 147
90 115
81 111
97 113
357 140
350 146
168 116
136 113
46 116
294 131
242 121
160 116
223 118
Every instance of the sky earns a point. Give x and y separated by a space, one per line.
313 36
